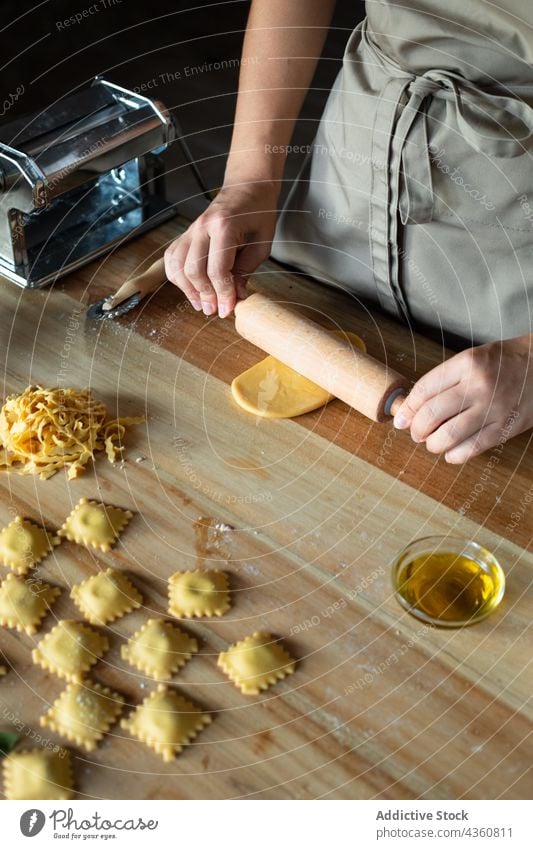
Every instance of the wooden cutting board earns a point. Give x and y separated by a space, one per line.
380 706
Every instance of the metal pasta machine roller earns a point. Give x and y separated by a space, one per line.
78 178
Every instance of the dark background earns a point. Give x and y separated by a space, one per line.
132 43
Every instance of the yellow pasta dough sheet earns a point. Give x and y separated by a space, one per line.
255 663
70 649
198 593
43 430
166 722
105 597
94 524
23 603
274 390
38 774
83 713
23 544
159 649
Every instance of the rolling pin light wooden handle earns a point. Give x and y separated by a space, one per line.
143 284
351 375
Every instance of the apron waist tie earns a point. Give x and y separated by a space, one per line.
494 124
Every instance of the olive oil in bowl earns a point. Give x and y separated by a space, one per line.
448 581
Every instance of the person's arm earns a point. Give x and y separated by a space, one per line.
212 260
281 48
474 401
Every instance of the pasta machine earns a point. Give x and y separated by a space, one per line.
79 177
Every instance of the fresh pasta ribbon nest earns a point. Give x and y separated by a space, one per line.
43 430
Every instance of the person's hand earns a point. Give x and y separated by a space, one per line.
212 260
473 401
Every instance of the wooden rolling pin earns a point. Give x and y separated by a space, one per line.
365 384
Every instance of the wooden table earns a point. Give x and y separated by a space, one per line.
380 705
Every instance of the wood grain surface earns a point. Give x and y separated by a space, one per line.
380 706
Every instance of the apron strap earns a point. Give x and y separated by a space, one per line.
412 184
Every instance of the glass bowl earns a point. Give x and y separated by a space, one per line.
448 581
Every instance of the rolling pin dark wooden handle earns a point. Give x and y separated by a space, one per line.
356 378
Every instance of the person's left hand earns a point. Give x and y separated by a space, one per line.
473 401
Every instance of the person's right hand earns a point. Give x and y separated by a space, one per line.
212 260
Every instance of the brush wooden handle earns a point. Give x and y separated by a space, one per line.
365 384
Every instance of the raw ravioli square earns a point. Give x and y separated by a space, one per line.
94 524
198 593
105 597
83 713
256 662
23 544
38 774
166 722
159 649
23 604
70 649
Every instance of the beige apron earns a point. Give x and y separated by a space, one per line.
418 190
